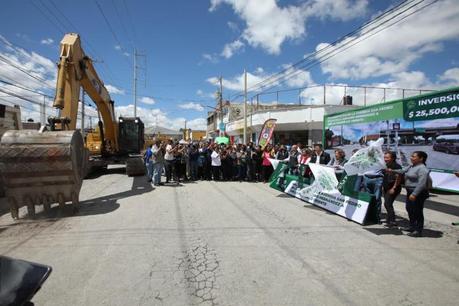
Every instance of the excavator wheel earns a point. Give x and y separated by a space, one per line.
135 166
41 165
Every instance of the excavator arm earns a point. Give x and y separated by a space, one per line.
76 71
45 167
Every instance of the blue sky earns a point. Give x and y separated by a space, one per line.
188 44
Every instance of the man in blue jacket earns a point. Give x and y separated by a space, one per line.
148 162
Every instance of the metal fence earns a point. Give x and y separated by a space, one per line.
332 94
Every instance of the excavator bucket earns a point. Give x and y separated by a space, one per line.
41 168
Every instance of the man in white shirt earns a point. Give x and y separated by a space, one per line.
216 163
169 160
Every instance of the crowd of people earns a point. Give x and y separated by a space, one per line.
239 162
220 162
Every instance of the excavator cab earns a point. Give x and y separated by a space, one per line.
131 135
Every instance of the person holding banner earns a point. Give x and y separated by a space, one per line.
320 156
372 183
267 168
293 160
391 186
282 153
417 191
338 160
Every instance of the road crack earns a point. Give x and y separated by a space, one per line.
200 265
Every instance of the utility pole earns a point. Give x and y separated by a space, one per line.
245 108
135 83
82 113
43 111
221 97
135 80
221 101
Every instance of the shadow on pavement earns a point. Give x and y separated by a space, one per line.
427 233
101 205
402 223
172 185
104 171
385 231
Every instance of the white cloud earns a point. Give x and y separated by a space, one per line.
268 25
299 78
393 50
197 124
213 58
126 54
114 90
337 9
41 68
151 117
202 94
231 48
117 47
237 82
451 76
404 84
47 41
191 105
147 100
233 26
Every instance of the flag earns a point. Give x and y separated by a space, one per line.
266 132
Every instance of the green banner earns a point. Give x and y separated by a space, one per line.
428 122
443 105
367 114
322 192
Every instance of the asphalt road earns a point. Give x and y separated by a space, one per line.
224 243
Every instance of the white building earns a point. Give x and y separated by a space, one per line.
295 123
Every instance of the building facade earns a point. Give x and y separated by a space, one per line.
295 123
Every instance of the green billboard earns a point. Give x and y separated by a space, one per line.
428 123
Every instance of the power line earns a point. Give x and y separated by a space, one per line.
55 25
347 45
130 21
21 97
111 29
63 29
23 106
314 56
122 24
24 88
7 61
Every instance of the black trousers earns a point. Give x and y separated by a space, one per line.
216 172
389 204
415 209
169 168
267 171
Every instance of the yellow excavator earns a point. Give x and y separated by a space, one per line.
48 166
